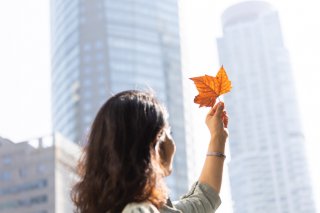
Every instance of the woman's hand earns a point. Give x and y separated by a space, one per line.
217 122
166 151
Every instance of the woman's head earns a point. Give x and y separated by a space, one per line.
118 165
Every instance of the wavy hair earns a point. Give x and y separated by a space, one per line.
118 166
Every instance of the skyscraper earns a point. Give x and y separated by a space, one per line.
100 47
268 169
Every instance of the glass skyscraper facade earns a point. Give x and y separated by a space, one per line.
101 47
268 170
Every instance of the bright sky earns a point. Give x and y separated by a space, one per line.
25 65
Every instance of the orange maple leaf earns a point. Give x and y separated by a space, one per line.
210 88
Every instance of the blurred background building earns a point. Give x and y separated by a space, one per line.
101 47
268 169
36 176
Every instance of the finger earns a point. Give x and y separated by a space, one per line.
213 110
219 111
224 113
225 120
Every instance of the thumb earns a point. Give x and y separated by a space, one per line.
219 110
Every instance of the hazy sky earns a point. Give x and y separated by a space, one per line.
25 64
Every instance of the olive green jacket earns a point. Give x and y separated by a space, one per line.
200 199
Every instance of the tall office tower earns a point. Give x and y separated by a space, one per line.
268 169
101 47
36 176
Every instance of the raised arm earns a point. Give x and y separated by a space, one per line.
204 195
217 122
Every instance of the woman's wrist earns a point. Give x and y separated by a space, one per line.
216 154
216 145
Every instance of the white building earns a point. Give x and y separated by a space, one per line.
36 176
268 169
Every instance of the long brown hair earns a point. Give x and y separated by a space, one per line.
117 167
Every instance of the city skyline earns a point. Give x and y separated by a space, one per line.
25 76
268 170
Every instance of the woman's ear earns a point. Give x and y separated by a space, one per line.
166 149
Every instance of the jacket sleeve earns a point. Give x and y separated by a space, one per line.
200 199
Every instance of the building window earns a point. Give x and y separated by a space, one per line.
101 80
23 172
99 45
87 106
102 93
5 176
87 119
87 70
99 56
41 168
86 94
23 202
6 160
87 82
87 47
101 67
24 187
87 58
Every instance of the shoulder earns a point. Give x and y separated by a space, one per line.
201 198
144 207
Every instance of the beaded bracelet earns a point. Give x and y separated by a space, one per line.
217 154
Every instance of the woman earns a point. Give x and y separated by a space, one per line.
130 151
